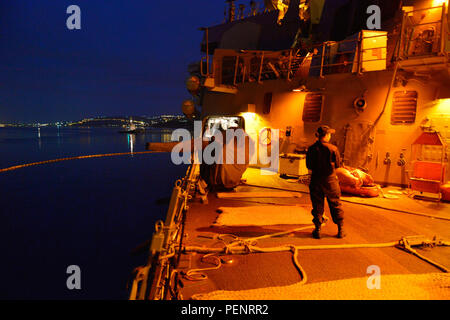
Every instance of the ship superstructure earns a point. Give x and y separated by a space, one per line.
379 88
384 86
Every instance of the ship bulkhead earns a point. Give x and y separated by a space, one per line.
380 89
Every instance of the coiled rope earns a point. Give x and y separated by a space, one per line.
245 246
248 246
74 158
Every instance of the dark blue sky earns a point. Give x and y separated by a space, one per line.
130 57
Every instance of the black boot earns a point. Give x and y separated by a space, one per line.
316 232
341 232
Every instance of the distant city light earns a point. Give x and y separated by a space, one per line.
105 121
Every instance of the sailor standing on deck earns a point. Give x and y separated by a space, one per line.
322 159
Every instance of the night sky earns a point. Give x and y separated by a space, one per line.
129 58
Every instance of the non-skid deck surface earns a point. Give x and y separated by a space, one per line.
405 202
268 215
278 194
432 286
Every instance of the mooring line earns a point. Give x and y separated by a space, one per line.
247 246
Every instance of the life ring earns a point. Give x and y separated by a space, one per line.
265 136
369 192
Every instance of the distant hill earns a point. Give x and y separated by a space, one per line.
163 121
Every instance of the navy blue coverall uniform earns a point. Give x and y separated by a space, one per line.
322 159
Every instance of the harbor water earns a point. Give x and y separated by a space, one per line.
89 213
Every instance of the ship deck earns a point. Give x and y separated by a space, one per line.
367 221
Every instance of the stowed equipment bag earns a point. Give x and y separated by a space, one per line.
227 174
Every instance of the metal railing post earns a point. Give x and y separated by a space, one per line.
360 51
207 51
402 37
443 36
322 60
201 67
260 67
290 65
235 69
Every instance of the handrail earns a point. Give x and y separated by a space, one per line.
323 57
201 67
261 66
153 281
443 28
207 73
290 66
426 9
292 60
284 64
410 36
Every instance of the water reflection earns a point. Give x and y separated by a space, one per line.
85 137
154 137
90 193
55 140
131 139
162 136
39 138
166 137
58 135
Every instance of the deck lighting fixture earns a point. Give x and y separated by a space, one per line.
443 105
438 3
299 89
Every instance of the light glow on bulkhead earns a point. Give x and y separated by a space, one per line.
438 3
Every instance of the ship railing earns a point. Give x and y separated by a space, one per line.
158 280
205 66
359 54
258 66
232 68
353 55
424 32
